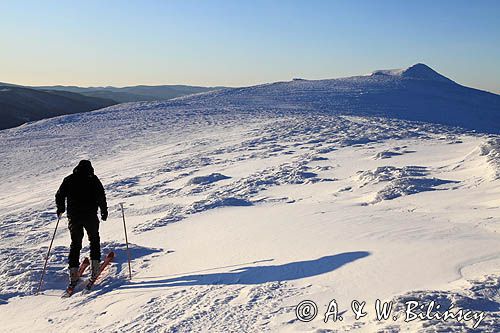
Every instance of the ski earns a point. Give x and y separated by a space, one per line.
71 289
104 264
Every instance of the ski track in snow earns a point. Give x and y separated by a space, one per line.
200 158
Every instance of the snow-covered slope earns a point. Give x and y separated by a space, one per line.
242 203
416 93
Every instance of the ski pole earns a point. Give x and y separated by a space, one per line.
47 257
126 241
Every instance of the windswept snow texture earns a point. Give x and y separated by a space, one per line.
401 181
491 149
240 204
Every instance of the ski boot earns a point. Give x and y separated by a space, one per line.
75 273
74 277
95 266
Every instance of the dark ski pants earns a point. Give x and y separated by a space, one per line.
76 226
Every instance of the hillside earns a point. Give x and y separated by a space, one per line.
19 105
416 93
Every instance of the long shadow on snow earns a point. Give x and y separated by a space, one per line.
112 284
258 274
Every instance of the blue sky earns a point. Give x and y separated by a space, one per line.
238 43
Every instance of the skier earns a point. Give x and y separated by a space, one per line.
84 194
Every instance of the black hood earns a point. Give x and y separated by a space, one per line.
84 168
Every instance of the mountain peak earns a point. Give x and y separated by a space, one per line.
418 71
422 71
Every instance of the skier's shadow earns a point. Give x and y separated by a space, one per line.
257 274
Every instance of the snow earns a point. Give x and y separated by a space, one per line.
242 203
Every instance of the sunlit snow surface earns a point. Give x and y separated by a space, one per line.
237 211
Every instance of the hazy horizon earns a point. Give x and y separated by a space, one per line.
225 43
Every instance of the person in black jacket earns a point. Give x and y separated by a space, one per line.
84 193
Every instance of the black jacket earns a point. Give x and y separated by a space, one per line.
83 191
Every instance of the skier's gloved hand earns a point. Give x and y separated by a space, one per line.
104 215
60 212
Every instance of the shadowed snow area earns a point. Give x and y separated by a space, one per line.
205 180
242 203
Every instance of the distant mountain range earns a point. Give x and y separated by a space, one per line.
134 93
20 104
